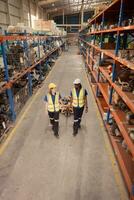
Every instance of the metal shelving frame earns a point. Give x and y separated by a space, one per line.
125 159
8 83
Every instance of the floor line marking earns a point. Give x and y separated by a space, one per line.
108 147
13 131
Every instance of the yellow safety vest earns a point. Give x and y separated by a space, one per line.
52 107
78 101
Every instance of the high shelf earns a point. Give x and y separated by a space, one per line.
107 45
25 61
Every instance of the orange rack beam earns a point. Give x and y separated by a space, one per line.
20 37
119 29
102 105
104 90
84 54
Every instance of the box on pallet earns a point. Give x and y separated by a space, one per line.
19 28
47 26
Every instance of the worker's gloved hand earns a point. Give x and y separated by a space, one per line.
86 110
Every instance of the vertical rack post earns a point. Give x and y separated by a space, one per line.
116 54
28 64
39 54
45 44
7 43
101 46
6 77
86 55
94 38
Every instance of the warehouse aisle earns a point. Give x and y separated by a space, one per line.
37 166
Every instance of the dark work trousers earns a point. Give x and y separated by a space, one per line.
54 120
78 112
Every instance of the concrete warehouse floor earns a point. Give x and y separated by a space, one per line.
34 165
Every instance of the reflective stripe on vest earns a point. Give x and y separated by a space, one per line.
78 101
53 106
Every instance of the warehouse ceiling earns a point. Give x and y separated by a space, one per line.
70 6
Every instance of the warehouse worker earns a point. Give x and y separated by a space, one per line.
78 101
52 100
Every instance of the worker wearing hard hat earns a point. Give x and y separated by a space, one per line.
53 99
78 101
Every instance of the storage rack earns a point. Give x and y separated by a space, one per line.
101 43
25 73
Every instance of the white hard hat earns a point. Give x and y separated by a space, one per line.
77 81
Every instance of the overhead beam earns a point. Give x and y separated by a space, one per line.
29 7
65 6
63 20
82 11
8 13
68 25
67 13
37 10
46 2
21 11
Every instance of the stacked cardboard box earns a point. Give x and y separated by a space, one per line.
49 27
19 28
62 31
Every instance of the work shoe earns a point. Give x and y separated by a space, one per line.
56 135
75 132
79 126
